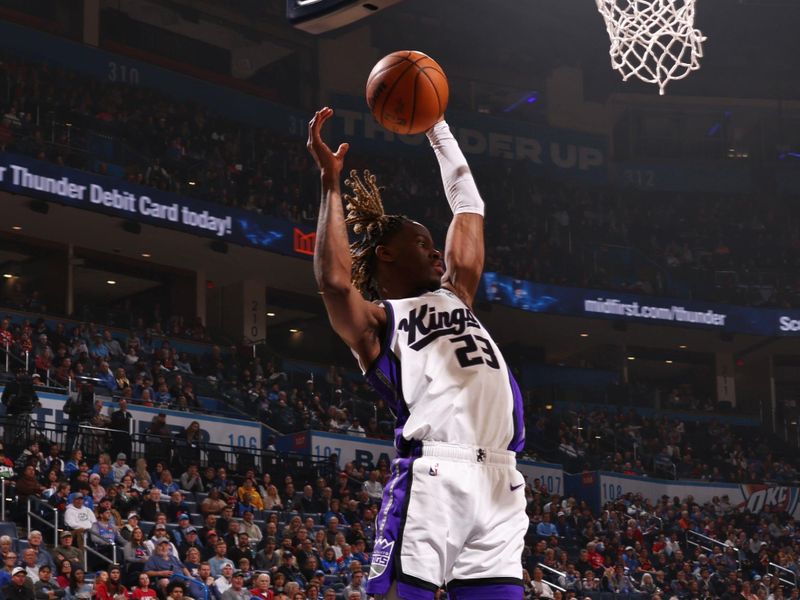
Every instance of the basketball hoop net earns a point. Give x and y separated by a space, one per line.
654 40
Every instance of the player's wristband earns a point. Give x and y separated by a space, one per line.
459 185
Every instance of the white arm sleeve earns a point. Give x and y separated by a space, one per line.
459 186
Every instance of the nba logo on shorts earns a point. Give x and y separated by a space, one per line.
381 557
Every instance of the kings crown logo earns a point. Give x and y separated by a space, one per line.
381 557
429 324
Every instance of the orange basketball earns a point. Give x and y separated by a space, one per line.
407 92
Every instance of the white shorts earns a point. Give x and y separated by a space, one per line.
454 515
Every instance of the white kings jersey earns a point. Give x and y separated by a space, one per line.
445 378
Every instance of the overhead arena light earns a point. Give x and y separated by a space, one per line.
319 16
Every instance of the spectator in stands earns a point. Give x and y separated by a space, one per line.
246 490
112 588
143 591
223 582
177 509
268 558
163 564
236 591
272 501
135 550
250 527
261 589
191 559
213 503
115 351
9 562
546 528
151 506
98 351
541 588
104 534
97 491
120 468
67 551
242 550
64 572
30 564
190 540
79 588
356 585
42 555
190 480
176 591
27 484
20 588
219 559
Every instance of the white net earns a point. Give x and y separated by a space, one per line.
654 40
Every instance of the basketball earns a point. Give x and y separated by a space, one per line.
407 92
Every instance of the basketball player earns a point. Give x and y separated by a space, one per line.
453 511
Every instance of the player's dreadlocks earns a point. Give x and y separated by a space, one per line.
366 215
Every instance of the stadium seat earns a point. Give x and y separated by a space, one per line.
8 528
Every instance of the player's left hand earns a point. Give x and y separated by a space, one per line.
329 163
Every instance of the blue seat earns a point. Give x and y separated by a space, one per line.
8 528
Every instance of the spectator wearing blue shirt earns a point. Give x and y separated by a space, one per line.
564 527
106 377
10 561
630 559
219 559
162 565
167 484
97 349
42 555
545 528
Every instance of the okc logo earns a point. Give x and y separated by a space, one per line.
381 557
756 497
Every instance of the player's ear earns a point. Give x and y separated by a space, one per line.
384 253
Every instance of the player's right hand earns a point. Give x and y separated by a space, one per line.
328 162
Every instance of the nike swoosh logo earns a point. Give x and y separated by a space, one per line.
515 487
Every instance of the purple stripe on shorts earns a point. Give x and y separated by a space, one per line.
390 522
408 591
486 592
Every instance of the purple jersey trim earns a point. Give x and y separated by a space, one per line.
518 441
386 378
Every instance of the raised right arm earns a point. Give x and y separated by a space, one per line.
358 322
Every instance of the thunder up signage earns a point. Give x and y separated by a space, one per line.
577 302
560 153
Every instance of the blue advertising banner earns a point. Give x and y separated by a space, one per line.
577 302
117 198
560 153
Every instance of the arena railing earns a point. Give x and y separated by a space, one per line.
170 450
784 575
5 485
698 540
35 510
556 573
